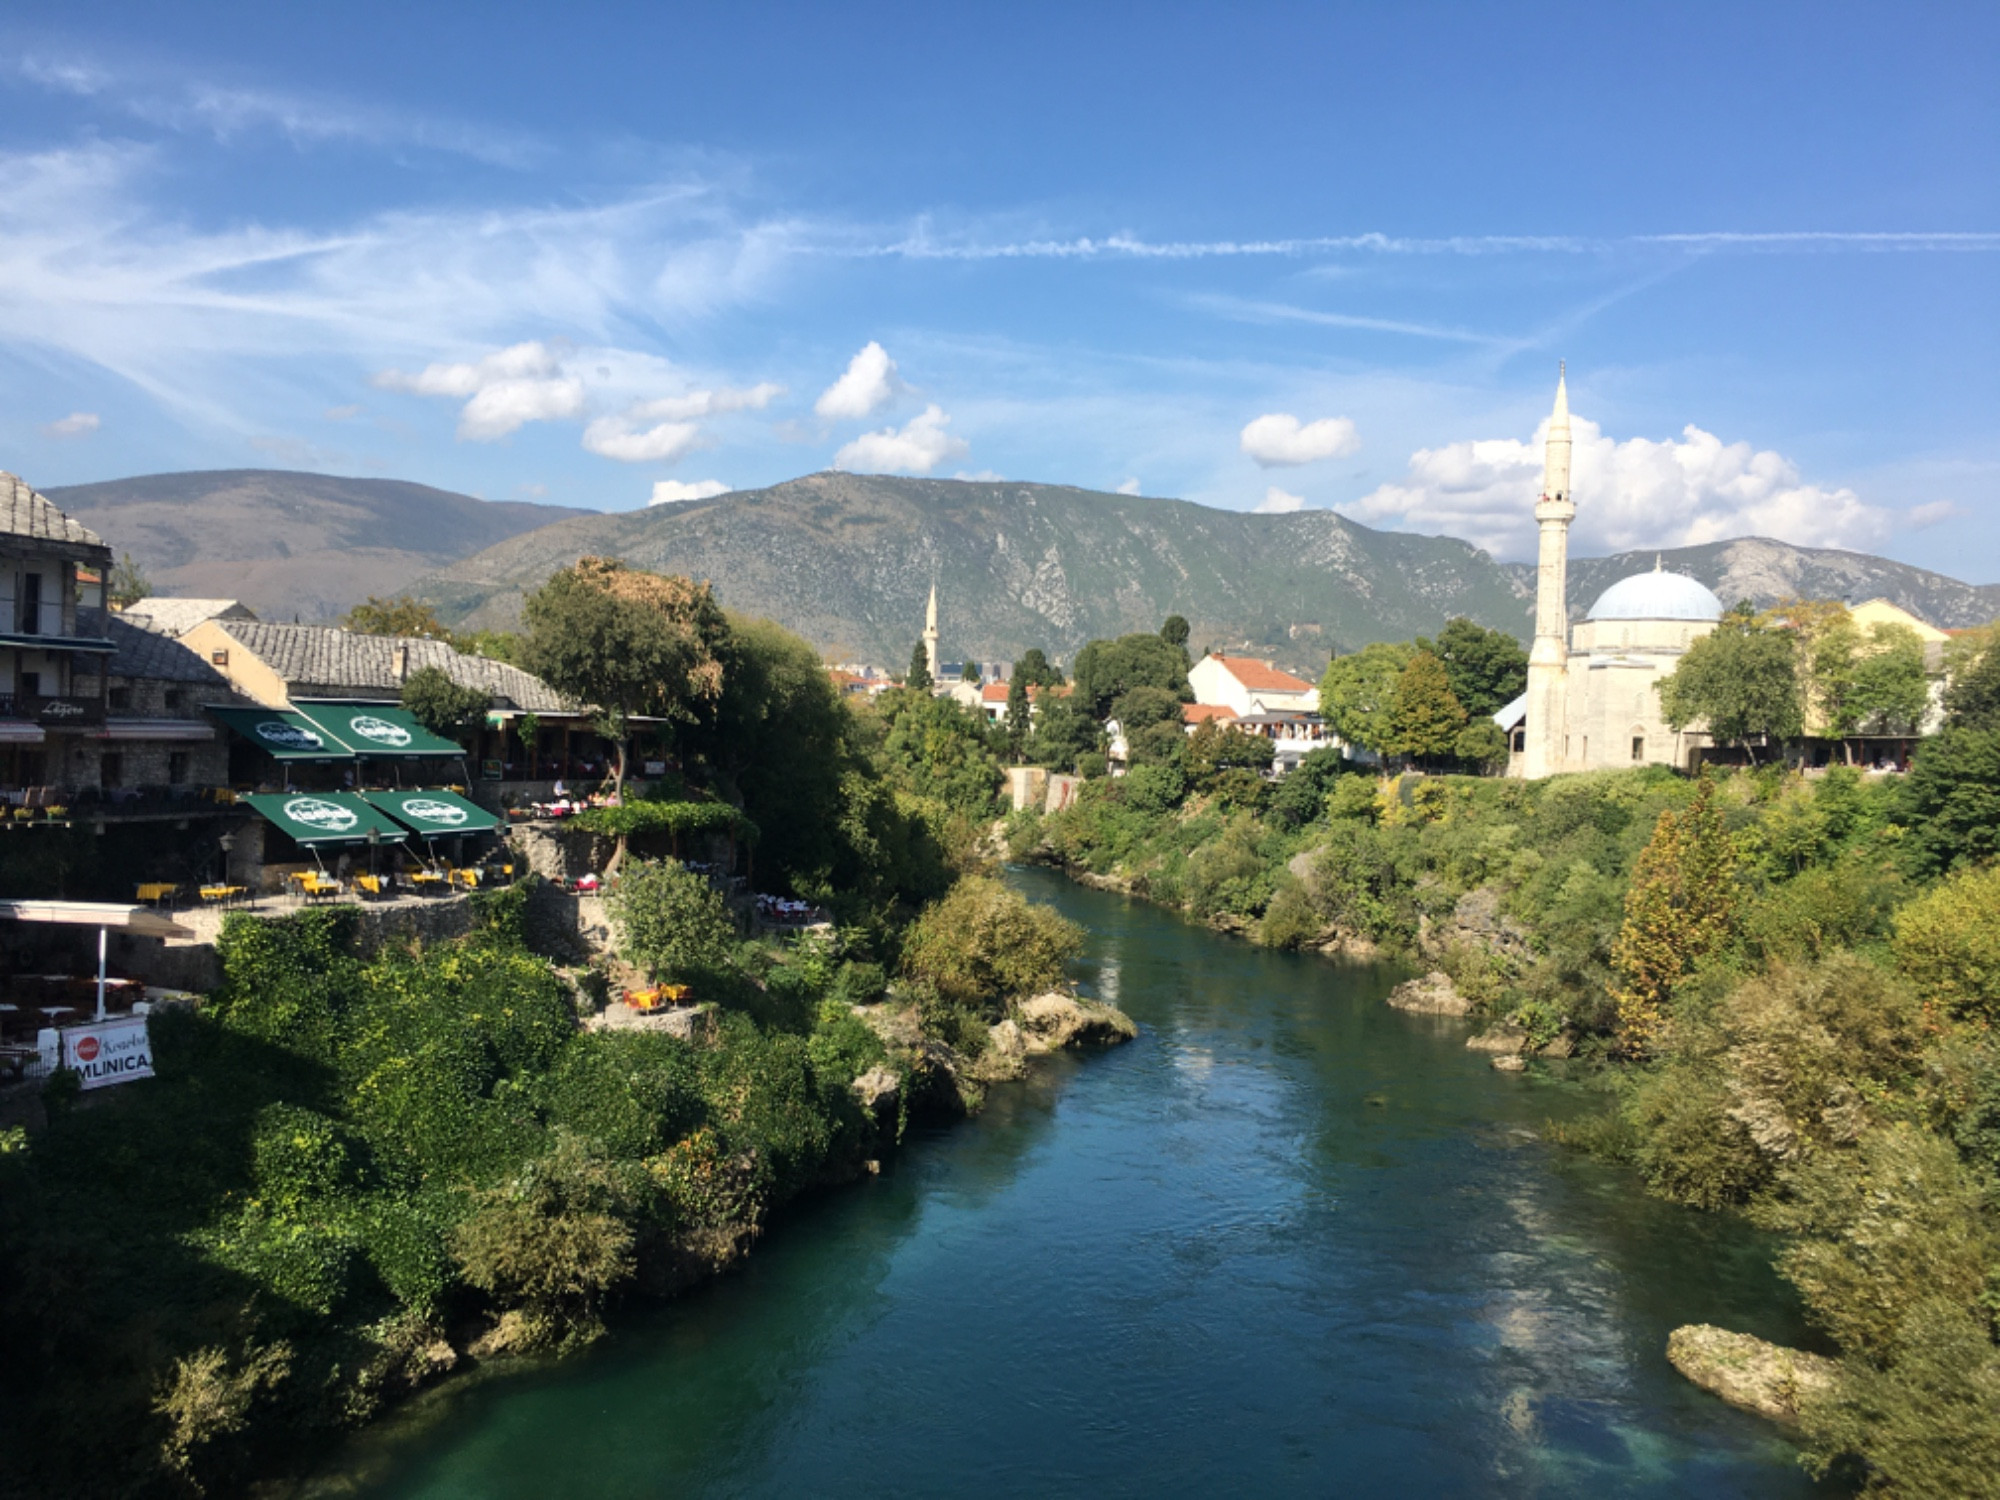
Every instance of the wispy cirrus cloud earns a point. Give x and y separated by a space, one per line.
228 111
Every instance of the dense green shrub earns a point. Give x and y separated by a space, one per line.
1948 942
671 921
983 945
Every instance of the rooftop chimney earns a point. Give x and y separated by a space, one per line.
400 662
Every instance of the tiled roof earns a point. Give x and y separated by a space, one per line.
1197 713
178 616
1261 676
326 660
25 513
996 692
147 653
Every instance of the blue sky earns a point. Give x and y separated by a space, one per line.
1248 255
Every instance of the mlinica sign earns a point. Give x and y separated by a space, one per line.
109 1052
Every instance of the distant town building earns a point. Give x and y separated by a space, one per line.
1250 686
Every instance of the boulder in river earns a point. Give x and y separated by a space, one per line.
1432 995
1502 1038
1769 1379
878 1089
1510 1062
1055 1020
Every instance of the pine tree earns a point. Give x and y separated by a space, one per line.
919 679
1680 908
1428 716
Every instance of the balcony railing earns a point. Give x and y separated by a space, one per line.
46 619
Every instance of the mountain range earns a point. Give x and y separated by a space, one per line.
287 544
846 560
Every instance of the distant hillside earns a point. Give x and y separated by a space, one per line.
292 544
1764 572
846 560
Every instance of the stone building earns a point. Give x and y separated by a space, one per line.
53 642
1592 701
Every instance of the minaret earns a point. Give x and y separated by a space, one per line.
1548 660
931 633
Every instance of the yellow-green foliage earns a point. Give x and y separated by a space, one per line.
1948 942
983 945
1678 909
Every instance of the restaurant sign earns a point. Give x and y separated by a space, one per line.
60 713
108 1052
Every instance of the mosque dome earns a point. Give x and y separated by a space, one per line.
1657 596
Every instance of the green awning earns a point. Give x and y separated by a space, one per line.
324 817
374 729
285 734
434 815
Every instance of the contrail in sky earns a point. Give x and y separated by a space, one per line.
1129 247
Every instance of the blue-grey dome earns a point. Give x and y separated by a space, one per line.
1657 596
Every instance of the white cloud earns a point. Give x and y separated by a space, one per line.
614 437
1930 513
919 447
981 476
76 424
705 403
1129 487
667 491
870 382
1634 494
520 384
341 413
1279 440
1277 502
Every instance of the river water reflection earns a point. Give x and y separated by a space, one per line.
1289 1241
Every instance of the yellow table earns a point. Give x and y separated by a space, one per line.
426 877
222 893
157 890
467 878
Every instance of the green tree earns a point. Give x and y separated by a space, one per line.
1141 707
1948 942
1482 744
1951 800
1890 691
1035 669
403 615
1679 908
779 740
1972 695
1063 733
626 642
937 750
1357 696
1020 715
919 679
969 672
1427 717
671 922
128 583
1106 670
1174 631
1487 668
1741 680
1214 749
441 705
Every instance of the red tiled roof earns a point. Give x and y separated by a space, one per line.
996 692
1201 713
1261 676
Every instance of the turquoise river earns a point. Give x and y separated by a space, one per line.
1290 1241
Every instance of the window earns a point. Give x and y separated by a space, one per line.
111 769
31 604
177 767
176 698
121 698
220 658
31 684
1638 747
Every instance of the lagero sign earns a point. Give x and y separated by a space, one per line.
381 731
109 1052
328 817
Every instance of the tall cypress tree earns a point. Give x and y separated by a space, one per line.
920 670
